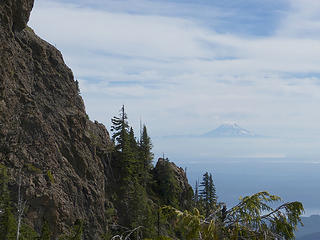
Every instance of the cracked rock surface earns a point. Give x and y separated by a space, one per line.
45 131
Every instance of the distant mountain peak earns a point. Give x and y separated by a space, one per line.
229 130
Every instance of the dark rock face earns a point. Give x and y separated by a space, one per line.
16 13
44 130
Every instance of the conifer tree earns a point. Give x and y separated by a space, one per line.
134 155
208 193
8 225
212 192
133 142
45 232
120 129
132 195
123 152
166 185
146 156
4 192
255 217
196 193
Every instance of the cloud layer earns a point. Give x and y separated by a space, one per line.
182 75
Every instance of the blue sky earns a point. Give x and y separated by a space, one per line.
189 66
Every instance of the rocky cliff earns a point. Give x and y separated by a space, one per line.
44 130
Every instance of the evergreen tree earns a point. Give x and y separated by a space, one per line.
45 232
4 192
254 218
134 155
208 194
123 150
146 156
28 233
166 185
133 142
133 203
212 192
204 192
120 129
75 233
77 230
8 225
196 193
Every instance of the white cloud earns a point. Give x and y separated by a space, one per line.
182 76
302 21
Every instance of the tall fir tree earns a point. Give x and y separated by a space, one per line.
208 194
133 200
212 193
146 156
134 155
123 152
196 194
120 130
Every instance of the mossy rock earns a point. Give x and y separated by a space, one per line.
32 169
50 176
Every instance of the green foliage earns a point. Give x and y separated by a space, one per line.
119 130
188 223
8 226
75 233
253 218
160 238
50 176
166 185
45 231
29 29
133 160
32 168
77 230
146 156
28 233
276 223
4 192
136 182
207 196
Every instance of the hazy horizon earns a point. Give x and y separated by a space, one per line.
237 173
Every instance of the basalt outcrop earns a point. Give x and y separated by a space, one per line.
45 133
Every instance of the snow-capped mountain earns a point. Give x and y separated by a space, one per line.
229 130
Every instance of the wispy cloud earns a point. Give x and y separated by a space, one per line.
182 74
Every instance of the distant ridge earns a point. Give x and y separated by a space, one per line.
312 236
310 230
226 130
229 130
